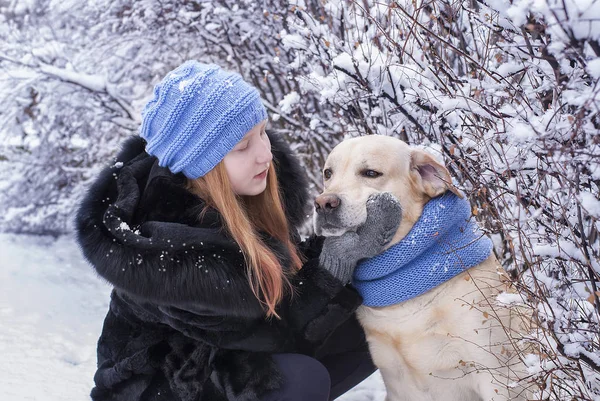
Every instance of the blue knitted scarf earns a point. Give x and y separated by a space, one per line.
444 242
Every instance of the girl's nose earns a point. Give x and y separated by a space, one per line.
264 154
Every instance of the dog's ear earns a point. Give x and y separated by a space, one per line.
429 175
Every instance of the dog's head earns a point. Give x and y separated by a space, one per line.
363 166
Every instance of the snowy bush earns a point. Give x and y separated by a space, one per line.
508 93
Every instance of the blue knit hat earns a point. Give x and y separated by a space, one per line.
198 113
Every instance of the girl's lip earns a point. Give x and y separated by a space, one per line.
261 175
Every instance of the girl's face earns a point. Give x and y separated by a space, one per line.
248 162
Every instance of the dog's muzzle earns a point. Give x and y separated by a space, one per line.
328 215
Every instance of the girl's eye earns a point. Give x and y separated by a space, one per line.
242 148
327 173
371 173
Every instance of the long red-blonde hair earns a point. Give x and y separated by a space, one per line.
243 217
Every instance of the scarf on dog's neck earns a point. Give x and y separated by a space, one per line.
444 242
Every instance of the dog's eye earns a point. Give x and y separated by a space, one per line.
327 173
371 173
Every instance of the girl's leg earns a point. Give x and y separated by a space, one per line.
346 357
347 370
304 378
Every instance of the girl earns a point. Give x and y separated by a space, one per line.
214 296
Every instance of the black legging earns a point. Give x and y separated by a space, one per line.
346 363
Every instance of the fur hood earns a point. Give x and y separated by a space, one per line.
138 226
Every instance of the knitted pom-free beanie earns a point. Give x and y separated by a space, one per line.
198 113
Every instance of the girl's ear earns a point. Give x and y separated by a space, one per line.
430 177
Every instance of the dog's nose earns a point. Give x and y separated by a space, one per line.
326 203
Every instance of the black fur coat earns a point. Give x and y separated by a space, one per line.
183 322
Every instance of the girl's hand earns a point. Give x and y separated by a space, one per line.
341 254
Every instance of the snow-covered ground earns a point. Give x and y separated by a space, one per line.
51 310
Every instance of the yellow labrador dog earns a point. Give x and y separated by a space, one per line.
450 342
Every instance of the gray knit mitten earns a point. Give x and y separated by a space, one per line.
341 254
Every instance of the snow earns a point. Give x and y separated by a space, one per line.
94 83
184 83
518 13
124 226
344 60
593 68
533 363
521 132
506 298
293 41
52 306
79 142
287 103
590 203
24 6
